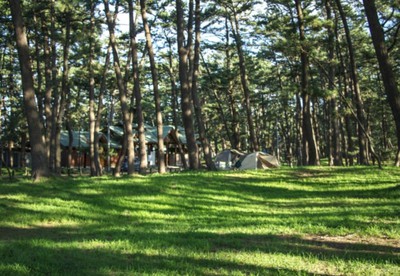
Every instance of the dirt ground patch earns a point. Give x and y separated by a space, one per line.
353 241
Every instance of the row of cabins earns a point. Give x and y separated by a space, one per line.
111 148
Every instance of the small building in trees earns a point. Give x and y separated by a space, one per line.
77 143
174 143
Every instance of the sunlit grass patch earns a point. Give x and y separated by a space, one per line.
315 220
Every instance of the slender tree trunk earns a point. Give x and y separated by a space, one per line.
126 116
384 120
235 137
300 150
334 138
95 169
38 147
92 118
186 104
343 142
11 153
121 157
385 67
48 88
174 88
39 75
196 102
70 143
287 135
362 139
1 129
219 103
244 81
63 96
309 140
55 92
137 93
347 133
157 101
174 100
350 143
286 125
99 114
315 124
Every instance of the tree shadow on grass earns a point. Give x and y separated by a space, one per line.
267 192
102 262
47 260
205 205
56 249
64 250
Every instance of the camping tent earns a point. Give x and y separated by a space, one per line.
257 160
226 158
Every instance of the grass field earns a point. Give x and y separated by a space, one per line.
319 220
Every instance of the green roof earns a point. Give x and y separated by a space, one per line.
117 131
80 140
150 133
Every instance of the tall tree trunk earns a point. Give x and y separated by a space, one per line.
219 101
186 104
92 117
38 147
385 67
157 101
54 90
350 144
362 139
244 80
10 153
174 89
235 137
39 75
300 150
288 136
137 93
59 113
99 115
1 130
286 125
126 116
335 152
174 99
347 133
48 87
309 140
70 148
196 102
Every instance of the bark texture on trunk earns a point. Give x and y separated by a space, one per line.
310 149
335 157
244 80
157 101
385 67
137 93
186 101
361 117
196 101
38 148
126 115
92 117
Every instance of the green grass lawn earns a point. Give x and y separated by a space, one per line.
330 221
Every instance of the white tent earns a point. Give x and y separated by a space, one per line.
257 160
227 158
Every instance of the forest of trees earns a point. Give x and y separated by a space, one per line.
305 80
